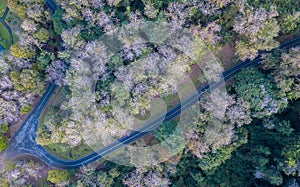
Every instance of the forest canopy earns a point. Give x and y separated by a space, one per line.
118 65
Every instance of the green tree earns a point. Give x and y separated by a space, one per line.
21 52
211 161
291 157
58 176
3 128
285 69
172 137
17 7
27 81
3 143
290 23
259 92
42 35
56 18
25 109
44 59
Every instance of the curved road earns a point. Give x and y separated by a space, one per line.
24 140
2 20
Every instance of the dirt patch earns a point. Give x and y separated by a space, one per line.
287 37
149 138
226 55
195 73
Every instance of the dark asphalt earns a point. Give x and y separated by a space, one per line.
24 140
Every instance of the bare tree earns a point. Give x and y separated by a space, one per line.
56 72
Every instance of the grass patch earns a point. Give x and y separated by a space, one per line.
64 152
4 37
3 4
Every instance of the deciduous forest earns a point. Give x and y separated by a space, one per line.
115 61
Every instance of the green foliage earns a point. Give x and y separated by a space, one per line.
259 162
92 33
258 90
44 59
171 137
21 52
121 94
284 68
291 157
257 30
18 7
58 23
212 161
25 109
283 7
290 23
164 131
27 81
3 142
115 62
42 35
44 134
58 176
3 128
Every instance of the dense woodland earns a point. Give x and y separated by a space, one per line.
256 143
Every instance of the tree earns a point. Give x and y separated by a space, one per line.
211 33
239 113
44 59
261 161
60 177
259 92
257 30
284 67
3 142
287 73
290 22
27 81
37 11
9 111
146 178
29 25
72 37
17 7
172 138
3 128
5 83
4 66
21 52
42 35
57 20
21 173
56 72
25 109
291 158
209 7
89 176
